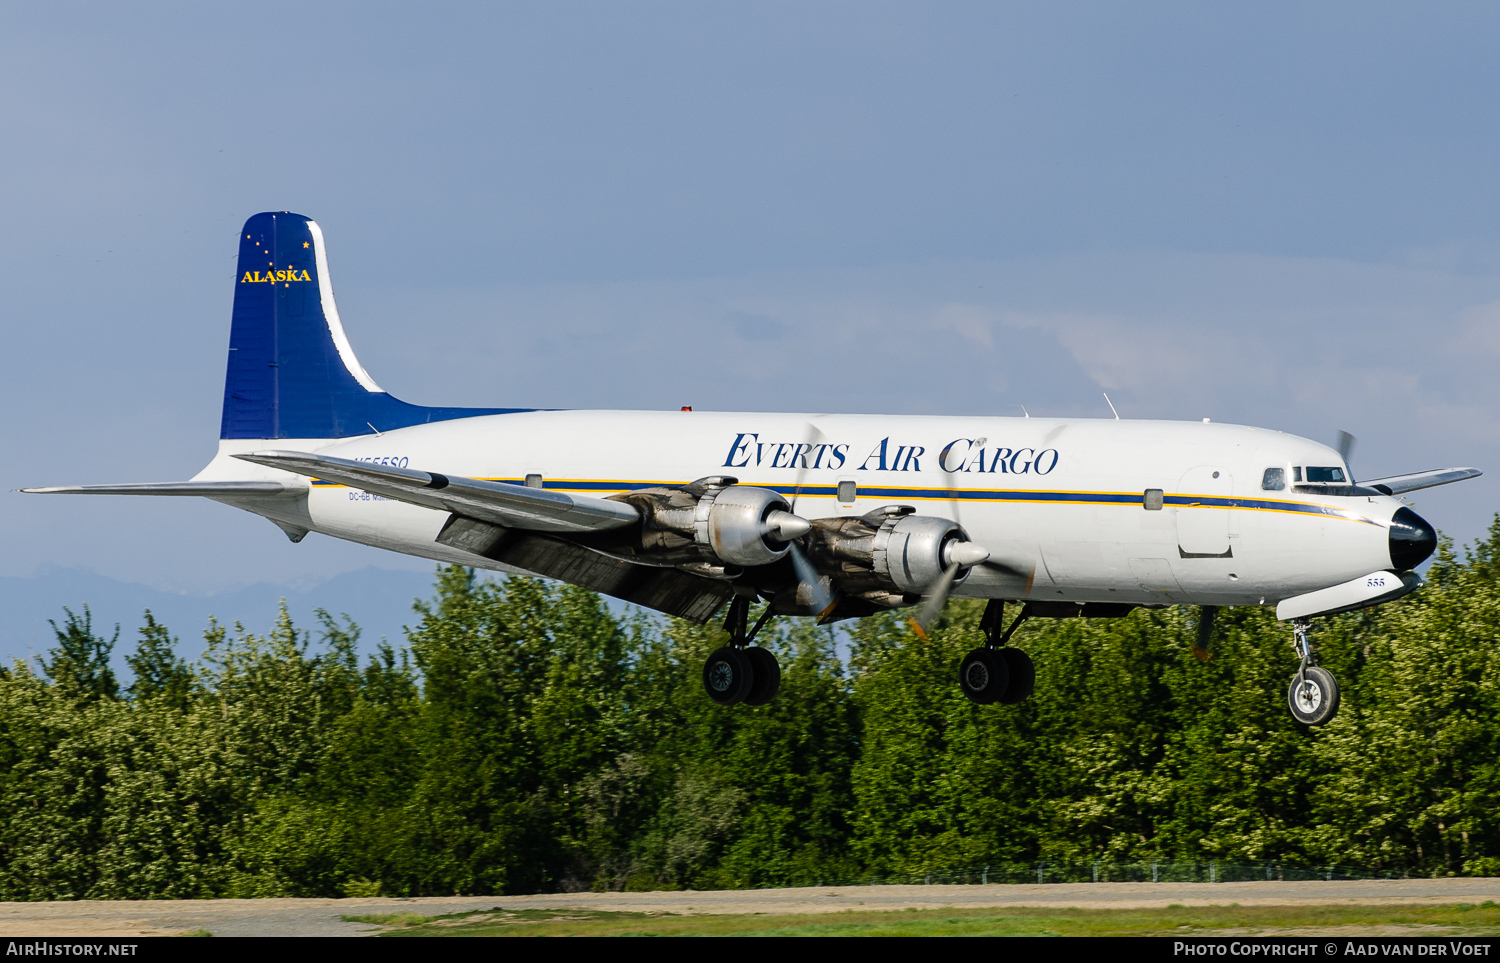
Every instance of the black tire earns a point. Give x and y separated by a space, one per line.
1022 676
728 676
983 676
1313 696
766 676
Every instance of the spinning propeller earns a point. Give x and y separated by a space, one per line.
1346 446
958 554
822 599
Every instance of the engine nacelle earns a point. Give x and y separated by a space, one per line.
713 522
912 551
888 557
736 525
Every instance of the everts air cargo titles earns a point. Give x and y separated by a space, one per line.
821 515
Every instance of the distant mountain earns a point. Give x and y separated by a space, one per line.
379 600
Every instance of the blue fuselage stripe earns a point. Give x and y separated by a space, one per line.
976 495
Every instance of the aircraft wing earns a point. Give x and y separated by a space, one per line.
1396 484
208 489
513 506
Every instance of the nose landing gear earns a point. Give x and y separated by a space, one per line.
1313 695
995 673
739 672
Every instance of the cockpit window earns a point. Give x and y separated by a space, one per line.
1297 474
1274 480
1325 474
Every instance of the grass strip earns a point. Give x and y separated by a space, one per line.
1461 919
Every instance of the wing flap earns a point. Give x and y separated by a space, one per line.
513 506
1396 484
668 590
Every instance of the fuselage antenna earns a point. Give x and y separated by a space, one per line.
1111 404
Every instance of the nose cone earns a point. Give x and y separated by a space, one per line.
1412 539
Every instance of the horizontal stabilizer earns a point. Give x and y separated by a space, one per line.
1396 484
1362 592
209 489
513 506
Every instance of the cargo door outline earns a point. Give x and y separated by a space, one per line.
1202 531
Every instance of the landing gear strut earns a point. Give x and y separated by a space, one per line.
1314 693
995 673
740 672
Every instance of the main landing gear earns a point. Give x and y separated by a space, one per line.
1314 693
995 673
739 672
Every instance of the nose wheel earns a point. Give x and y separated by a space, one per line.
995 673
1313 695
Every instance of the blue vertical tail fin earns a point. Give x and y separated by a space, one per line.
292 372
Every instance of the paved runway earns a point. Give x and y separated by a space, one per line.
321 917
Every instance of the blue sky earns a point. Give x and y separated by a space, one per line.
1286 215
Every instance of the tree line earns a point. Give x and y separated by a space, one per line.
525 738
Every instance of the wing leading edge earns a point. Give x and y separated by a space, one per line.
513 506
523 528
1396 484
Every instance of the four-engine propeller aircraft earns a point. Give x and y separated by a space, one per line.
822 515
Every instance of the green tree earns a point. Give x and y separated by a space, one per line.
159 672
296 721
760 796
1413 761
531 739
940 783
79 664
1238 768
485 816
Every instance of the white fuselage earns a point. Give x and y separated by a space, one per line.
1057 501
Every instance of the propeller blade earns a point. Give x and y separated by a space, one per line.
948 479
937 597
809 441
822 600
788 527
1346 447
1005 568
